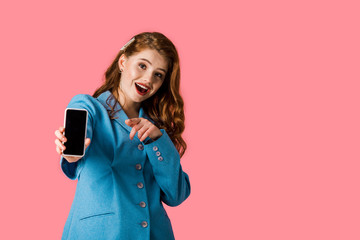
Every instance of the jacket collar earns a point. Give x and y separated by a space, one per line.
120 116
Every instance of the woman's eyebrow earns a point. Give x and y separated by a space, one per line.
151 64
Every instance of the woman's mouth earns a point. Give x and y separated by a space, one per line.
141 89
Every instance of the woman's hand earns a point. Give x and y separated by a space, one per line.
60 147
144 128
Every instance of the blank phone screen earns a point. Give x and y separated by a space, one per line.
75 131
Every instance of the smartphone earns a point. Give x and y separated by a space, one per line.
75 123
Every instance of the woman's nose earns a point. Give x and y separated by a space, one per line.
149 76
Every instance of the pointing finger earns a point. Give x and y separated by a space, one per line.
133 121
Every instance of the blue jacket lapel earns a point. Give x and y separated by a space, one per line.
120 116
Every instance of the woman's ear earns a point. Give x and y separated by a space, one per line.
121 62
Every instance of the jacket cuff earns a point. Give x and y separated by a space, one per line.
161 149
71 170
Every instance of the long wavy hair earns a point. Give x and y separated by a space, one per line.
166 106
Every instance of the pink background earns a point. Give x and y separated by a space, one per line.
272 111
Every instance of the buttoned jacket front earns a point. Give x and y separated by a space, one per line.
122 183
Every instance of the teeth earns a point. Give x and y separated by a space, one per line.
142 86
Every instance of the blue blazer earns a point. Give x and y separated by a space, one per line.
122 183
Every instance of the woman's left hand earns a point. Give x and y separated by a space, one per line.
144 127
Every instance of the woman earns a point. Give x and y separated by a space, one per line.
133 147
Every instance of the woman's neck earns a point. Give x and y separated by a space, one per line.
131 113
130 108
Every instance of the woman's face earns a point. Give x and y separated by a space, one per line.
142 74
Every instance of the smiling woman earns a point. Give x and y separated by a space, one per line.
132 166
142 74
166 107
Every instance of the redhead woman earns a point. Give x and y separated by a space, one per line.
131 164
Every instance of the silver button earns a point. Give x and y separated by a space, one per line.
144 224
140 147
160 158
140 185
158 153
138 166
155 148
142 204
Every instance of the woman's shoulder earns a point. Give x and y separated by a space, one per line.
85 101
82 97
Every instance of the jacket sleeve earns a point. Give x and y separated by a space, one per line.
82 101
165 161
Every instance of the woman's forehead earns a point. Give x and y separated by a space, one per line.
151 55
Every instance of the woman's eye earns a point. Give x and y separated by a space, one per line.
142 66
158 75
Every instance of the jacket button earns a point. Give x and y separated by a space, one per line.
142 204
158 153
160 158
144 224
140 185
155 148
138 166
140 147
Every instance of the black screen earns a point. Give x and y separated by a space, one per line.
75 130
